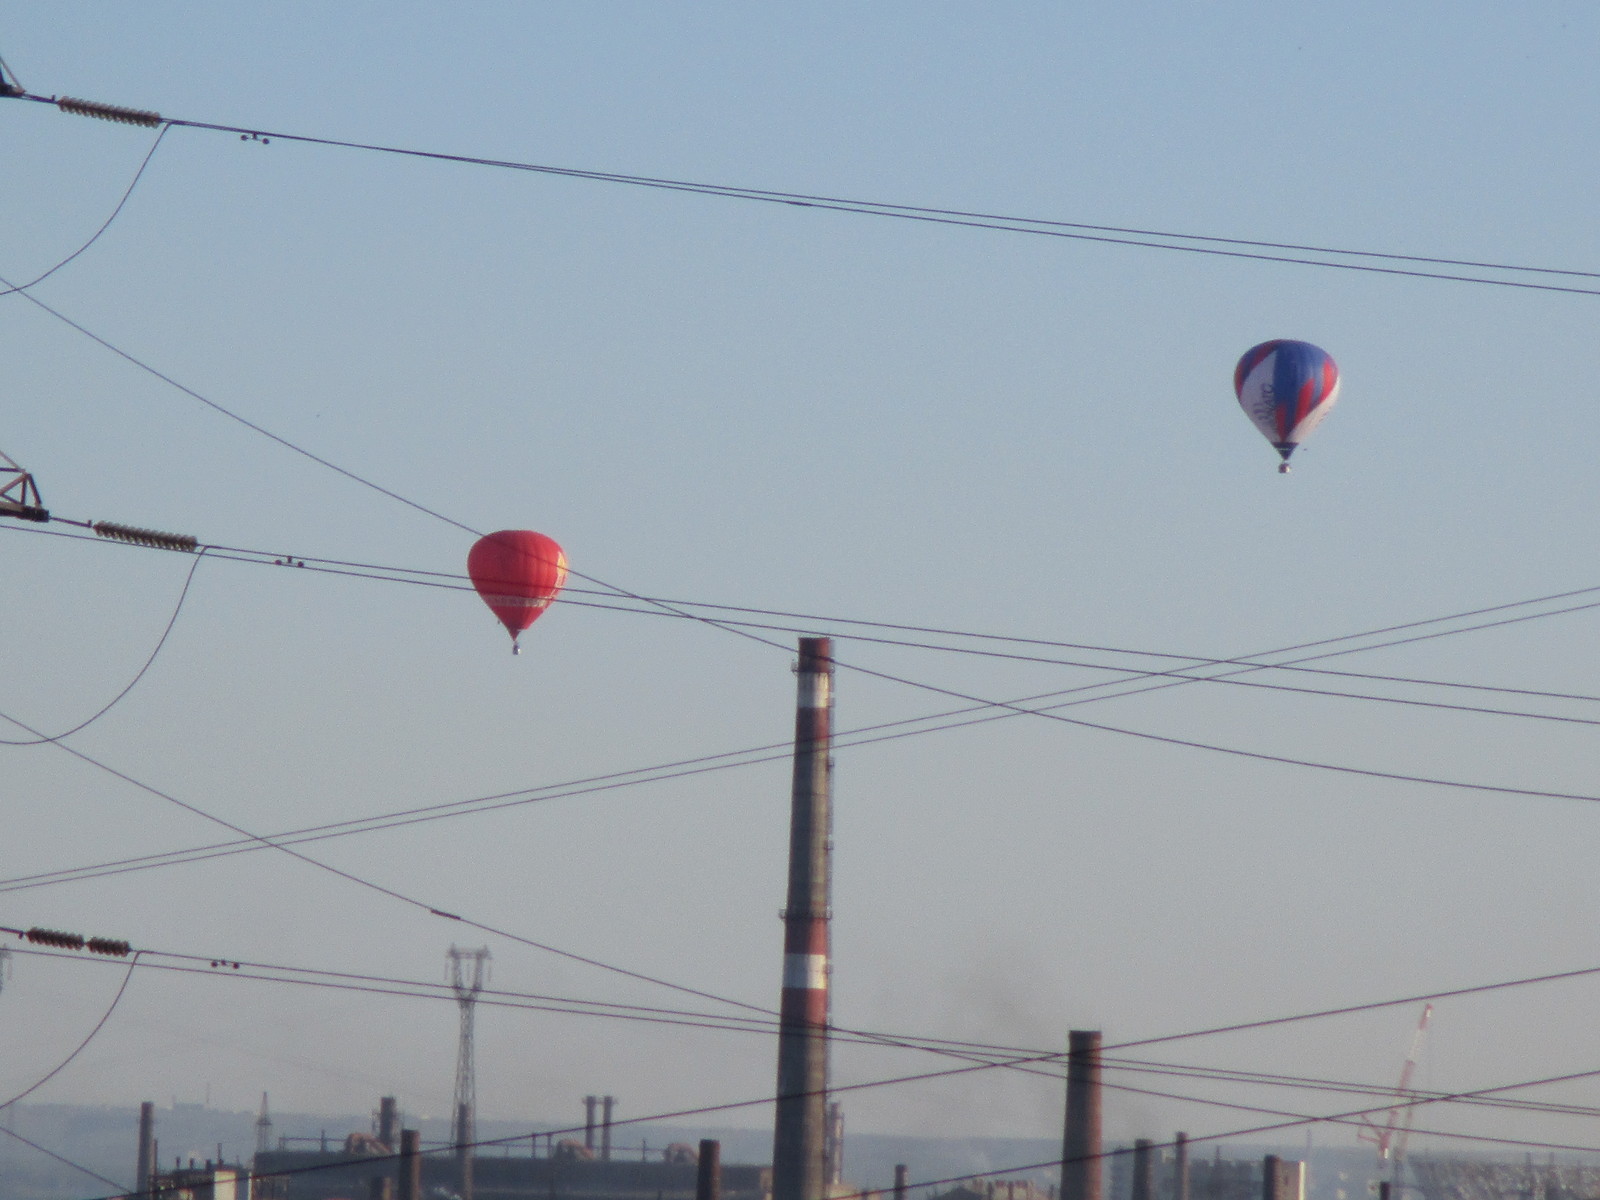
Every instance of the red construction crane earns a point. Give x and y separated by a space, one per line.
1390 1133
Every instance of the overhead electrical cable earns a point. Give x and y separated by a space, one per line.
712 623
730 627
147 118
374 886
1356 1122
1182 674
1312 1083
76 1166
353 476
867 735
895 679
137 175
1226 247
998 1056
132 683
1388 1104
810 621
1215 748
230 414
81 1046
1276 1127
1047 1164
496 998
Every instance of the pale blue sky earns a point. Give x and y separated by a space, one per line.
826 413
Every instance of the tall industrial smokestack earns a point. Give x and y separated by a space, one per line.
588 1121
708 1178
1080 1139
147 1145
1143 1174
607 1103
1180 1167
410 1182
799 1166
388 1120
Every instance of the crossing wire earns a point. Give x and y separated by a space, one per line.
1205 244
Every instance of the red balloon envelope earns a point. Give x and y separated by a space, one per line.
518 573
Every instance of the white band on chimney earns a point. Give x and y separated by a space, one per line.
808 971
814 689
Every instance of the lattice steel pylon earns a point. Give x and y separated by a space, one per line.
19 495
462 1121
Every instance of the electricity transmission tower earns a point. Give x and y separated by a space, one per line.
466 990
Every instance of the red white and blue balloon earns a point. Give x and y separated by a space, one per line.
1286 388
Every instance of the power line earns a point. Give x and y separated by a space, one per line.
1357 1122
1296 1119
866 735
1294 1123
995 1056
137 175
83 1045
229 413
149 118
374 886
1176 674
1312 1083
76 1166
725 626
1205 244
732 627
132 683
804 622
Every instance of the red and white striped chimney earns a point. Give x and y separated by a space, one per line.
799 1132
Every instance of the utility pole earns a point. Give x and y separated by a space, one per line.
799 1166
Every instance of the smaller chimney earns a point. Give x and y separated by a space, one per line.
1081 1177
1142 1176
410 1165
388 1120
588 1122
708 1181
147 1144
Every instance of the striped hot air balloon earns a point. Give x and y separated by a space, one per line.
1286 388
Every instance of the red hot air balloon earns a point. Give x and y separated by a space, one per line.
518 573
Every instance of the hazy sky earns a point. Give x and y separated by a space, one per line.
831 414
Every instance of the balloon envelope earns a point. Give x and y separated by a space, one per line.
518 573
1286 388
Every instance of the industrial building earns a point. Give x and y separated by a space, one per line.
373 1165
